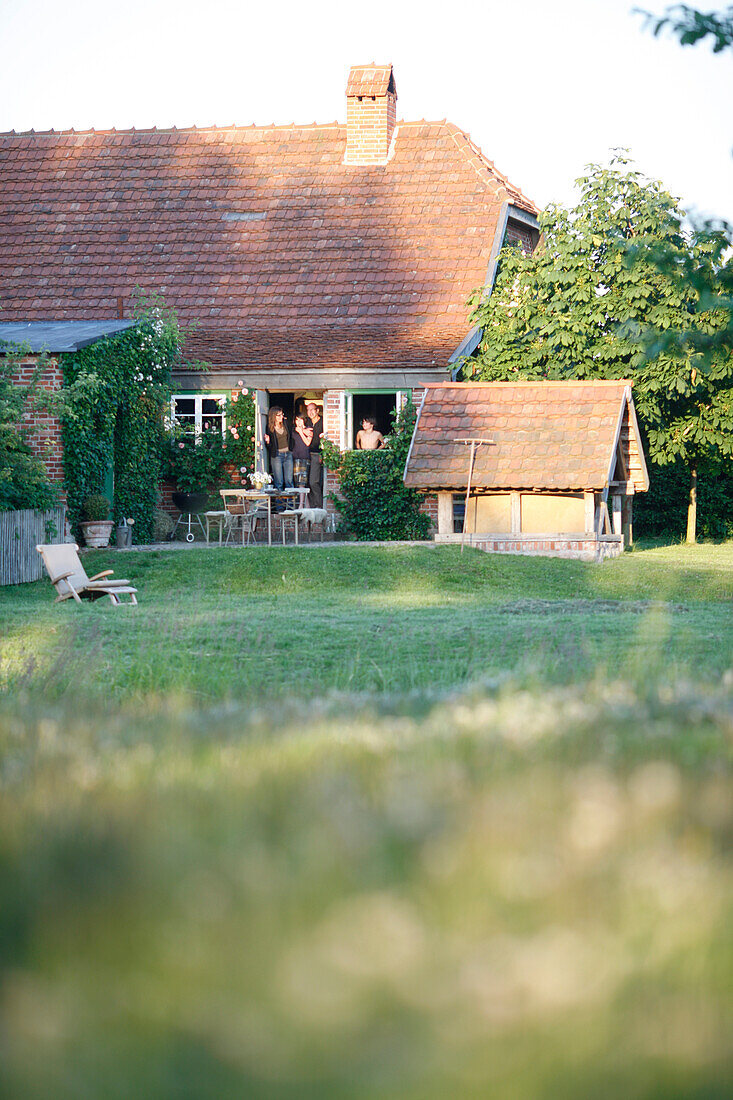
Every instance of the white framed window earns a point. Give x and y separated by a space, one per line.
193 410
382 405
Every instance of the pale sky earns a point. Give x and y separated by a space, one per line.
543 87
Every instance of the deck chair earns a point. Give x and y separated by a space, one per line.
70 580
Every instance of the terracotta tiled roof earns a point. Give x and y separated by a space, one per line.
426 346
370 80
254 229
546 435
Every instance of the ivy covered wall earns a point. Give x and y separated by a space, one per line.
116 393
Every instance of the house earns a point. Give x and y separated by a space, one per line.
530 467
329 259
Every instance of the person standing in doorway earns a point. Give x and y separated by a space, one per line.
315 482
302 439
279 442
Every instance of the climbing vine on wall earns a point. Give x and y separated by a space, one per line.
240 441
115 395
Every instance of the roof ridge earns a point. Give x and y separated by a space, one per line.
177 129
213 128
485 165
539 382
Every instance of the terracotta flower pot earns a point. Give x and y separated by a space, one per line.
97 532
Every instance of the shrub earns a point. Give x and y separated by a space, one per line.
240 436
662 512
373 500
163 526
96 508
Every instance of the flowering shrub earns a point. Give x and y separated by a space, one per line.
240 441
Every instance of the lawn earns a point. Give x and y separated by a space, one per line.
369 822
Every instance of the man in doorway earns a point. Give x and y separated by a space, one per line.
315 484
368 439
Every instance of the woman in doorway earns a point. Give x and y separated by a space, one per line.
302 439
279 441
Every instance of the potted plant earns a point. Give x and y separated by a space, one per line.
96 526
195 461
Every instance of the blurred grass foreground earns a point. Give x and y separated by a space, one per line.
363 822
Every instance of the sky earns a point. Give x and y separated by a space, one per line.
543 87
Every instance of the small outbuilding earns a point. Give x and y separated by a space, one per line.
531 467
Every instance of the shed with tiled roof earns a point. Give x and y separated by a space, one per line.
554 463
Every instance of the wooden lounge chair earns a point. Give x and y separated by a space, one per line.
70 580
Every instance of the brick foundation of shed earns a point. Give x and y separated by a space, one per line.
582 547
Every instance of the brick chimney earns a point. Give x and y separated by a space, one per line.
371 110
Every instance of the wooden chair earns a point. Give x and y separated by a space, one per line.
71 582
239 516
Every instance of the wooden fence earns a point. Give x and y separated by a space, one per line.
20 532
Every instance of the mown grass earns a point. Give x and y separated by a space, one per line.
370 823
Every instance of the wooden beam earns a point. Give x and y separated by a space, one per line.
445 513
616 504
516 513
628 522
589 497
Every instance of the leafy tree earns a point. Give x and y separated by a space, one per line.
618 289
692 26
373 500
24 481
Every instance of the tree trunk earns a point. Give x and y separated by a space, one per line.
692 506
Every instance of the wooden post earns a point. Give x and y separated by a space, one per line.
516 513
616 504
589 499
445 513
468 493
628 521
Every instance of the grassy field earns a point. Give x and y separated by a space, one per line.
369 822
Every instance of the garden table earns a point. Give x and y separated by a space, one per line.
266 494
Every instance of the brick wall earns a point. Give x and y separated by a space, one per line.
520 235
42 432
331 428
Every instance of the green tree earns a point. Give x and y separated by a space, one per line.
618 289
692 26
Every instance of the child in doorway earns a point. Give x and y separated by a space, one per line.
369 439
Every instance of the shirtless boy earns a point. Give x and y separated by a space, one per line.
368 439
